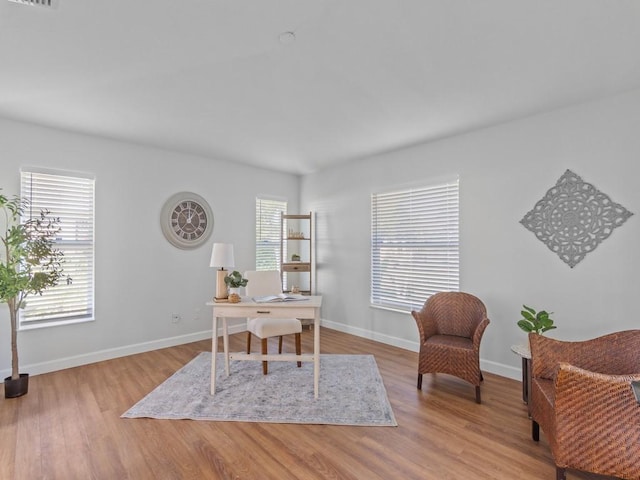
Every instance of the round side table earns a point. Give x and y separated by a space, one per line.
523 351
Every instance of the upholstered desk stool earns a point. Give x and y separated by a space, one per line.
262 283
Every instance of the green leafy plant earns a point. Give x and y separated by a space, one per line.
235 280
29 263
537 322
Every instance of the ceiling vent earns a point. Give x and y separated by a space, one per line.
37 3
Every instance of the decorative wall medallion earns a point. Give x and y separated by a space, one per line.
574 217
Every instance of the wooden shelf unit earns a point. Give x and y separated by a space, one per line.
297 238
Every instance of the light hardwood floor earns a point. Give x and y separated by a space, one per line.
69 427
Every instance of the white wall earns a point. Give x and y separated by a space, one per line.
504 171
140 278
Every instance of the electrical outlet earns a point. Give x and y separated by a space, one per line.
175 318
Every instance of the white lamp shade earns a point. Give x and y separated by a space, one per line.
222 255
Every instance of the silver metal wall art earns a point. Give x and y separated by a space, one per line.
573 218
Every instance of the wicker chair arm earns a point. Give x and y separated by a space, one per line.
427 326
571 380
615 353
596 422
416 317
479 331
546 354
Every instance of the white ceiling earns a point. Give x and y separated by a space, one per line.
211 77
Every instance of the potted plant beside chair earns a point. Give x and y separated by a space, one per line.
536 322
29 264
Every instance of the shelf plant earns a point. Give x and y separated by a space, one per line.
29 264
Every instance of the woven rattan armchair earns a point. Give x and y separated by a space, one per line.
451 325
582 398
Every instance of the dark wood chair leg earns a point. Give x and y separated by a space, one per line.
298 348
481 377
419 381
478 400
560 474
264 352
248 342
535 431
280 344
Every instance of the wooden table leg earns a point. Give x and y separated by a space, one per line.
316 353
214 353
225 343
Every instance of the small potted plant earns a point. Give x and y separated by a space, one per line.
29 264
234 281
536 322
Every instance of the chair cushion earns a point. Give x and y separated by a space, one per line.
273 327
450 341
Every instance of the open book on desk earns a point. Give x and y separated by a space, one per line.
282 297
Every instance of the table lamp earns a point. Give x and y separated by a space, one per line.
221 257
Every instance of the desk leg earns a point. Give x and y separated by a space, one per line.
225 342
214 353
316 352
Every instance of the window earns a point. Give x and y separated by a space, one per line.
414 245
268 234
71 198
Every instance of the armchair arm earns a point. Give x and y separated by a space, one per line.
427 326
479 331
615 353
597 421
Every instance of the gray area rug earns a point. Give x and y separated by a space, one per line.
351 392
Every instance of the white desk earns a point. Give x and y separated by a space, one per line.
247 308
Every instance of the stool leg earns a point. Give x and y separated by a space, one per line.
280 344
248 342
298 348
264 352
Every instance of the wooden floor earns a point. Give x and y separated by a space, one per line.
69 427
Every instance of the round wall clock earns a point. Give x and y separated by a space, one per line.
186 220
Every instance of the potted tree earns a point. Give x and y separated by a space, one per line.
29 264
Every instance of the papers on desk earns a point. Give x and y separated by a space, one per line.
282 297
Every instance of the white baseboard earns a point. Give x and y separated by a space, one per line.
108 354
378 337
486 365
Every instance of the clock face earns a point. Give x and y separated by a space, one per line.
186 220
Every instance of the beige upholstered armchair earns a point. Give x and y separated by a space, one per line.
451 325
582 398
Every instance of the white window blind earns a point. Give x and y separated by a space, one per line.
414 245
71 199
268 234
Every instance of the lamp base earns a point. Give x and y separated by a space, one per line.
221 287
